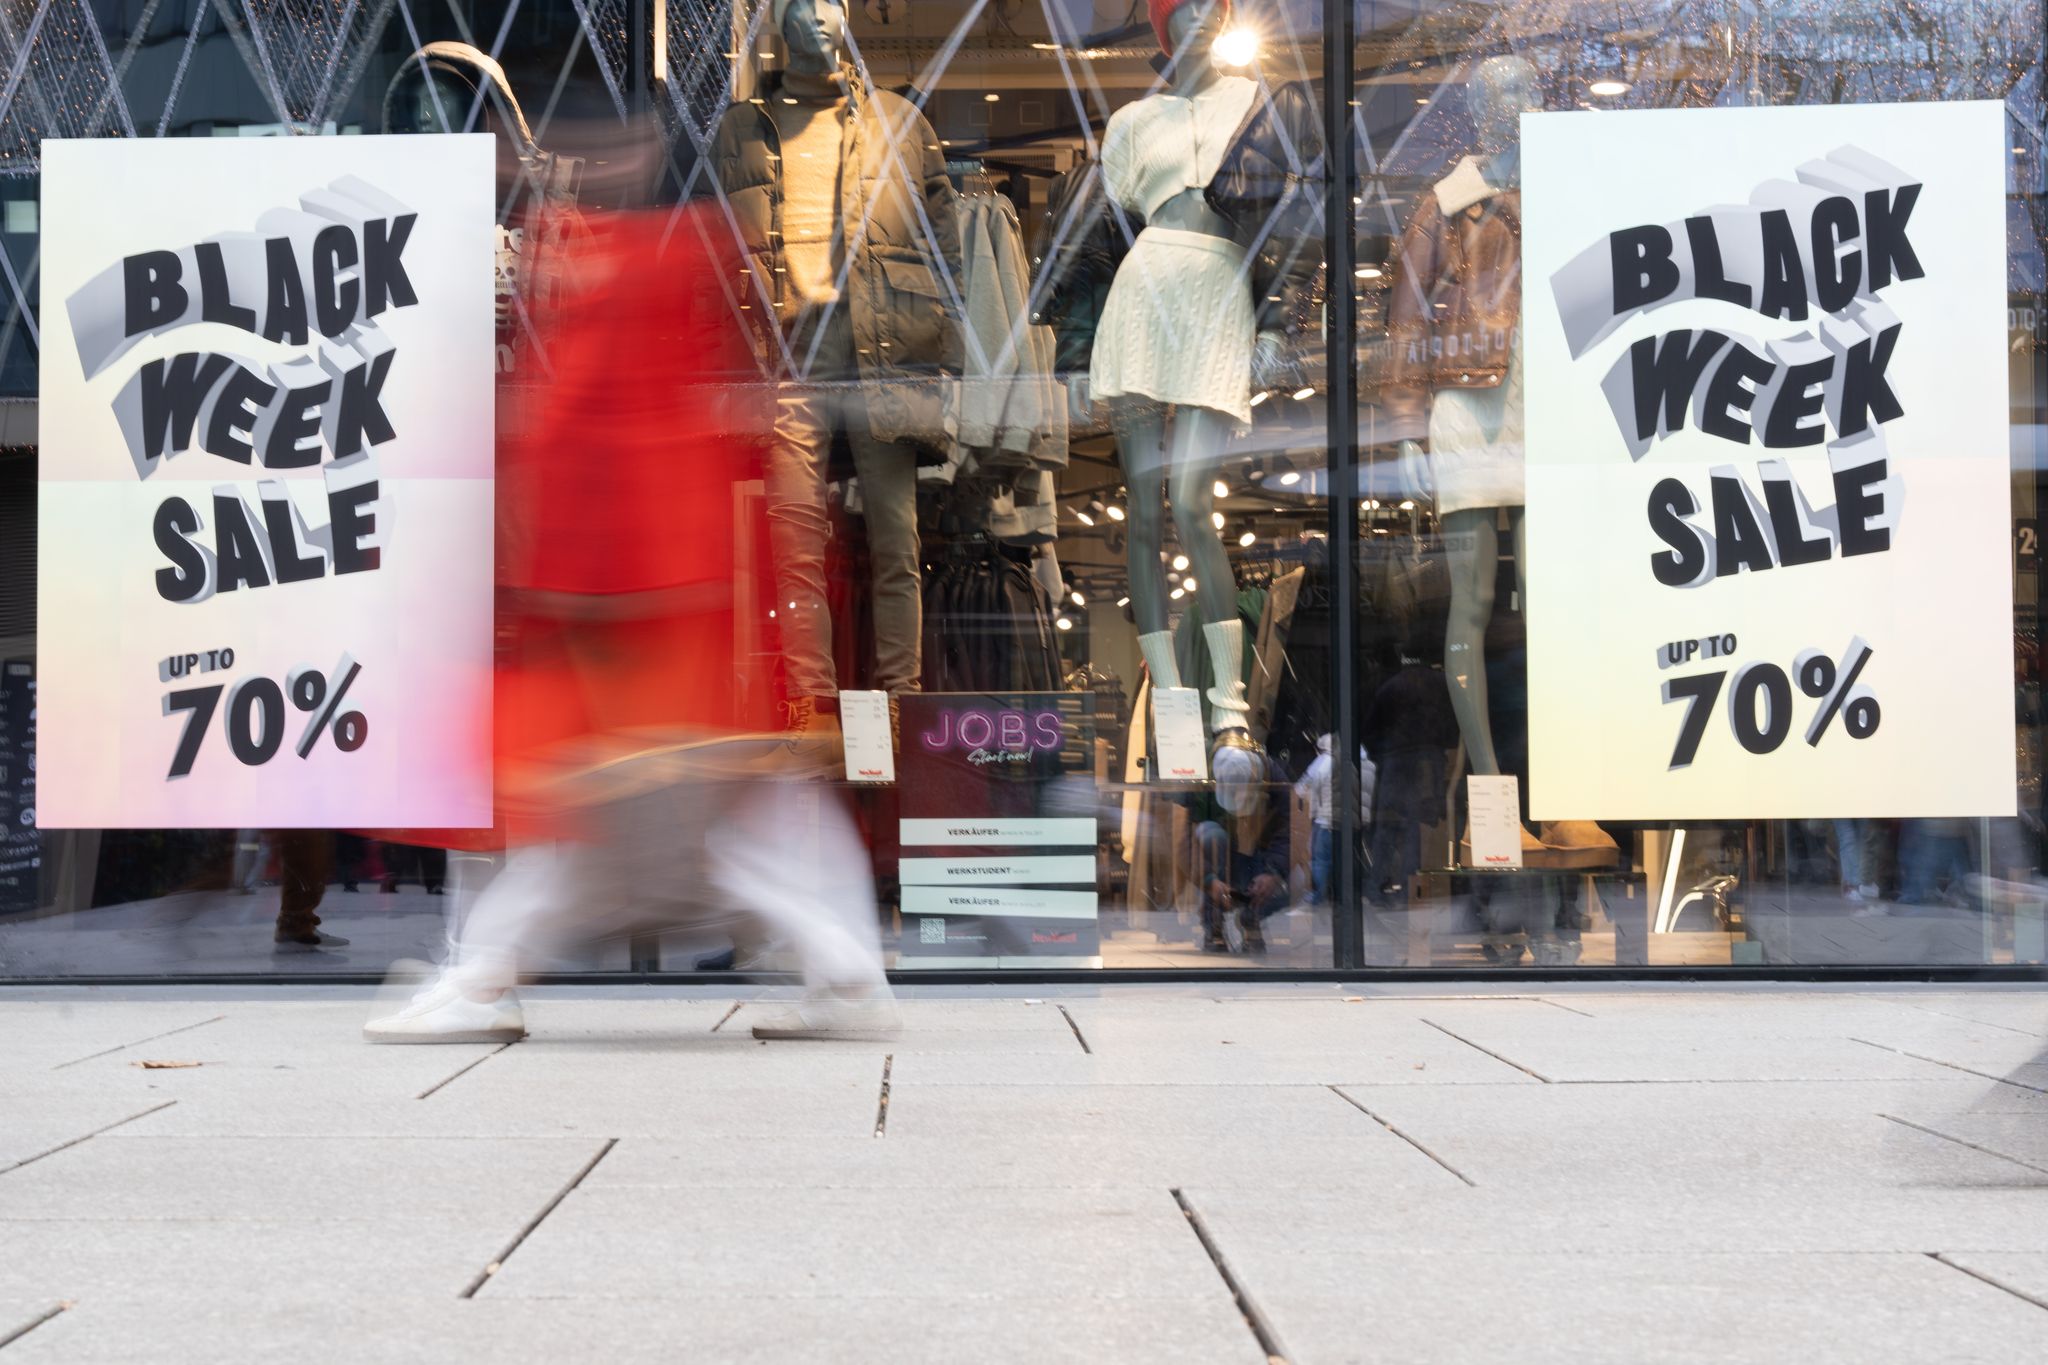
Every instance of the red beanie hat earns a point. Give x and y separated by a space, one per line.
1162 10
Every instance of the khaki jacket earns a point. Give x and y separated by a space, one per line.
900 292
1455 306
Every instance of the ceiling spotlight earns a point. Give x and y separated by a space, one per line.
1407 504
1216 520
1260 397
1063 623
1422 99
1081 515
1115 513
991 97
1368 272
1255 474
1306 391
1220 489
1237 47
1180 563
1188 583
1291 477
1123 601
1078 600
1248 539
1607 89
1177 594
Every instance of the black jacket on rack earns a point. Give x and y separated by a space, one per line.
987 624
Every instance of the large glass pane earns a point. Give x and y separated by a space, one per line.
1446 561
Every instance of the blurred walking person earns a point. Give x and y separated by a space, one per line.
640 785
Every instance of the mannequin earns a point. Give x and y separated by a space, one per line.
1457 373
1173 359
849 225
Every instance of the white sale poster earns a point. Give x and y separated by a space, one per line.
265 563
1769 471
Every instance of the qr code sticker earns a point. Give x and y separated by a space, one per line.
931 929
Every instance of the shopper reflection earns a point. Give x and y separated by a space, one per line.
305 862
1242 863
403 862
639 784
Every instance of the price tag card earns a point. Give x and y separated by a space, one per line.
1496 807
1177 733
864 724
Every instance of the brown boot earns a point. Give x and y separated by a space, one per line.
1532 848
1577 844
813 726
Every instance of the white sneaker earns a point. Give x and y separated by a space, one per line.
445 1013
827 1017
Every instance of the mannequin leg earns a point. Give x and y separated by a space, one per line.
1140 444
1473 550
795 487
1518 528
1197 435
888 476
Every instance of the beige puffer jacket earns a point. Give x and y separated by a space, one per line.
901 290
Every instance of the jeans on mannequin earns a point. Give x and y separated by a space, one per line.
1472 543
807 413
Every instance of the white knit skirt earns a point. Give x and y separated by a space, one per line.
1177 326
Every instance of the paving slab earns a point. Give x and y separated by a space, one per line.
1573 1049
1645 1308
32 1126
1426 1065
193 1259
1251 1115
479 1181
734 1331
1370 1157
1707 1137
2019 1273
1591 1219
1047 1246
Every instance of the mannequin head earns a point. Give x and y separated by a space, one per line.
1502 90
1188 27
814 31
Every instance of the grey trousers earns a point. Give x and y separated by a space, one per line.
807 414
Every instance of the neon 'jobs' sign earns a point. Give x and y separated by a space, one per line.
1018 731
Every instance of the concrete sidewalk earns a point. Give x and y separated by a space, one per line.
1181 1174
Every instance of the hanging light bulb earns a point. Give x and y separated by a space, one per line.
1180 563
1237 47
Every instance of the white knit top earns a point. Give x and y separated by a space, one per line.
1164 144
